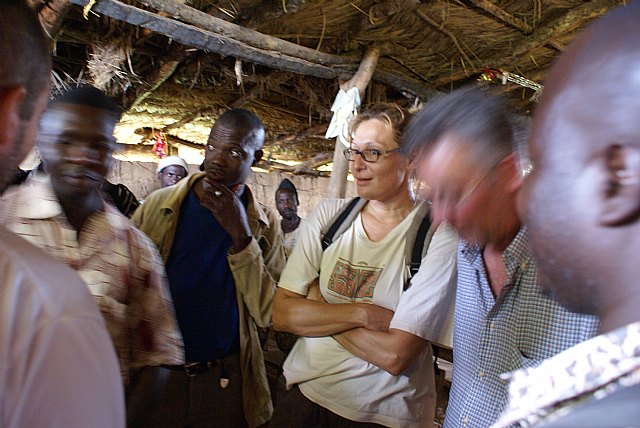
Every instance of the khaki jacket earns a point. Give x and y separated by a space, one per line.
256 271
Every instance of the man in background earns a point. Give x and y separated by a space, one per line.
171 170
466 156
287 204
57 363
223 254
582 206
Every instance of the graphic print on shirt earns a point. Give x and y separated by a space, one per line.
353 281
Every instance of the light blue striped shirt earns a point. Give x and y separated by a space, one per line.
492 336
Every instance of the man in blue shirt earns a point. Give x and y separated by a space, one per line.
467 158
223 255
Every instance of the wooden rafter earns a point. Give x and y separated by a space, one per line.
503 15
574 18
227 46
251 37
168 66
51 14
275 77
150 133
443 30
189 118
313 163
314 130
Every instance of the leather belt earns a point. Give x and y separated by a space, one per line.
194 368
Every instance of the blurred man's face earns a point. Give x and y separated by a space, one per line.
287 204
562 199
23 140
460 191
76 143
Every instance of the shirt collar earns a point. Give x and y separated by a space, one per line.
517 254
39 202
517 257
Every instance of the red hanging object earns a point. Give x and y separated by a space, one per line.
160 146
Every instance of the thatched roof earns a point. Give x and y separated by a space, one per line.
176 64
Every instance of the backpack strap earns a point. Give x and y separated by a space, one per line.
420 233
342 221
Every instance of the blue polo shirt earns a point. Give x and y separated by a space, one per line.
201 283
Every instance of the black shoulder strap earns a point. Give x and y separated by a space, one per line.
418 245
327 239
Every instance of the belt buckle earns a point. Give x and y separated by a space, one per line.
195 368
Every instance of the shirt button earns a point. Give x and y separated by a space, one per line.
480 373
465 420
492 325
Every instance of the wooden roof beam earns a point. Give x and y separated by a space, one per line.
313 163
168 65
51 13
309 132
440 27
206 40
275 77
150 133
246 35
503 16
574 18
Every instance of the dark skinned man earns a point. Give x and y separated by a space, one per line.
582 206
223 254
287 204
57 364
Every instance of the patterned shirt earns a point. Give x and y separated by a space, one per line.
592 369
520 328
118 263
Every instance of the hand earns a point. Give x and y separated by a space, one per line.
377 318
229 211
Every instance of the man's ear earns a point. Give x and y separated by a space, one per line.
509 167
10 105
621 195
257 156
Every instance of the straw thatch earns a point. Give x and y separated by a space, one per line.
176 69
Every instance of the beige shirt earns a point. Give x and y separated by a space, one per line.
290 239
57 365
119 264
355 269
256 270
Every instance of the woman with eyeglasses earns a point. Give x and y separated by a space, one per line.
363 358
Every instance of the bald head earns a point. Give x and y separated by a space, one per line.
598 78
582 202
245 124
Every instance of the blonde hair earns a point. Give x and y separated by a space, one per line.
392 115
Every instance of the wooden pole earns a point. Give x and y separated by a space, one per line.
360 80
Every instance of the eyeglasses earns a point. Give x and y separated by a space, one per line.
368 155
450 198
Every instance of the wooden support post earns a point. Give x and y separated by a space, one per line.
360 80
